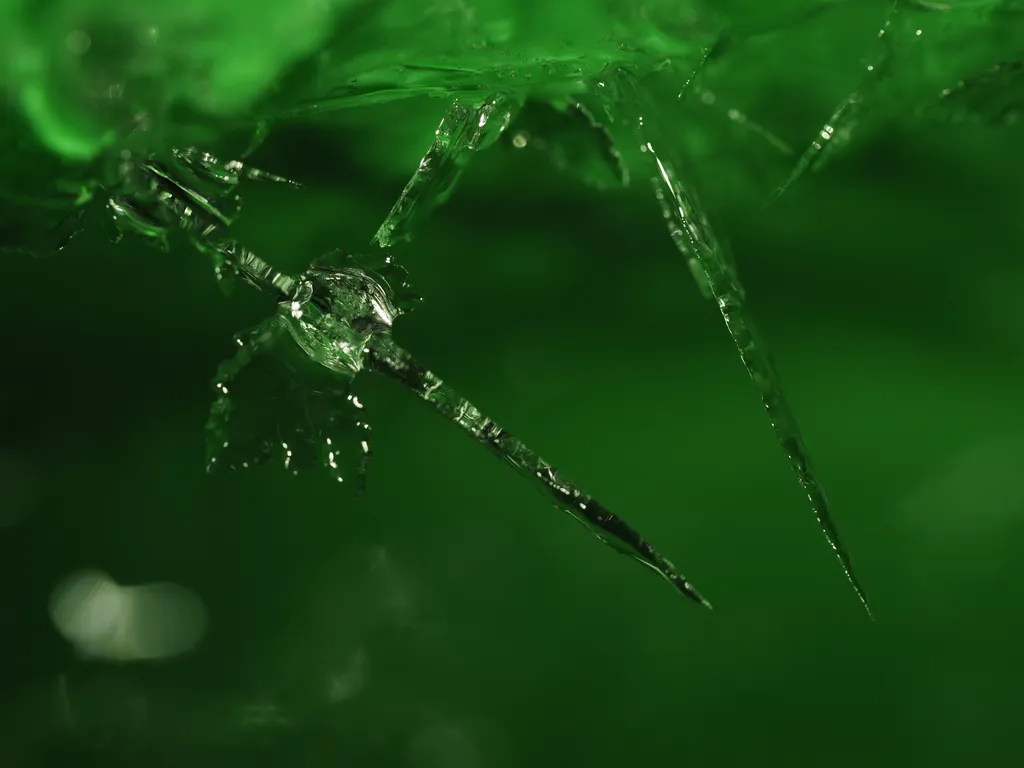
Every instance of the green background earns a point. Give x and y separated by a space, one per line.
489 628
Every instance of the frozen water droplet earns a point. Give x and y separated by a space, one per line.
350 300
303 360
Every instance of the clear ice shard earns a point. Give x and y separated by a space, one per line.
635 118
922 47
285 396
993 97
837 131
466 128
389 359
337 316
190 191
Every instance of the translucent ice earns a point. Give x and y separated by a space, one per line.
338 316
992 97
923 48
635 118
285 395
465 129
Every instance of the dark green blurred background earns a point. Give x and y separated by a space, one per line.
472 625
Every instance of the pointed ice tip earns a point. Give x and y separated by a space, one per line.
857 588
691 592
862 596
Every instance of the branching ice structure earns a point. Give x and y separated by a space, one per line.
587 113
631 118
334 320
286 394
